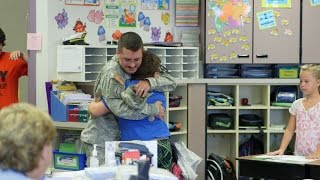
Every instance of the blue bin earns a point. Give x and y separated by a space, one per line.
69 161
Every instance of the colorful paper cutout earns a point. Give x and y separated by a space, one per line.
62 19
214 56
165 18
233 40
233 55
155 34
245 47
274 32
276 3
223 58
95 16
101 33
229 13
288 32
225 43
226 33
210 13
79 26
212 31
235 31
246 20
243 38
266 19
276 13
217 39
211 46
285 22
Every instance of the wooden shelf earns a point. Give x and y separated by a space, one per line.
70 125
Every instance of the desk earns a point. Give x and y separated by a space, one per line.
252 167
314 169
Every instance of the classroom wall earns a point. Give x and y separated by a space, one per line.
15 28
52 33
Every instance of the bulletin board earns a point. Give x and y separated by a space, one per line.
105 20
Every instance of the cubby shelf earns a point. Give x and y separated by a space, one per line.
181 62
259 96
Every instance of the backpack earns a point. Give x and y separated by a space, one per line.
220 121
251 120
219 168
252 146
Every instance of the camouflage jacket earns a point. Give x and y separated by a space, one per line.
108 86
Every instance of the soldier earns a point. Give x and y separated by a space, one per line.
109 85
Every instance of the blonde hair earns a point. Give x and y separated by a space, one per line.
24 131
315 69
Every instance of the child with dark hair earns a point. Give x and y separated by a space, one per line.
12 66
146 129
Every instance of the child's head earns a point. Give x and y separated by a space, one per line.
310 78
149 66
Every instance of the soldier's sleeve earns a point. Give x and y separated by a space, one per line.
165 82
112 95
131 99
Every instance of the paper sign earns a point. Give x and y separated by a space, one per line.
69 59
315 2
266 19
276 3
34 41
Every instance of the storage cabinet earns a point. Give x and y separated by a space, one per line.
310 32
226 142
280 44
83 63
234 34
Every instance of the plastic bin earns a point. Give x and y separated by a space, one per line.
59 111
69 161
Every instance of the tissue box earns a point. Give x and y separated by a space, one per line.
76 115
69 161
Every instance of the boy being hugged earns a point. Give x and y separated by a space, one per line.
305 116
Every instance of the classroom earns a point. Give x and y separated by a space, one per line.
238 85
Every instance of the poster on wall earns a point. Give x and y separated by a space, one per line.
155 4
83 2
127 12
112 13
266 19
315 2
276 3
187 13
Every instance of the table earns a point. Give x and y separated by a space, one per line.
264 168
314 169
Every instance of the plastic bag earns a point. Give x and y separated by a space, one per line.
187 160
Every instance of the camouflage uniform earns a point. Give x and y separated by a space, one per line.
109 85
